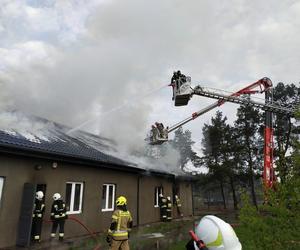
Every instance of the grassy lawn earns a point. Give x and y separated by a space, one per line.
174 235
170 235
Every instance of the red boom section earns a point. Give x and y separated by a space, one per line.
263 84
260 86
268 173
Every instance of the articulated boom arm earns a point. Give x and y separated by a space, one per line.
264 84
182 92
268 106
260 86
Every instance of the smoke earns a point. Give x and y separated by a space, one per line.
30 127
112 66
153 159
78 62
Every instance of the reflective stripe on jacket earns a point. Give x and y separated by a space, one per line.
122 220
163 202
38 209
169 205
178 203
58 210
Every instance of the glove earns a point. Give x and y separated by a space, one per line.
108 239
201 246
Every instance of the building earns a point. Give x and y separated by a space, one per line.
88 178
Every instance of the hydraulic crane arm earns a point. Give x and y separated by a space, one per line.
182 92
264 84
260 86
269 106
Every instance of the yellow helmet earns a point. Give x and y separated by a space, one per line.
121 201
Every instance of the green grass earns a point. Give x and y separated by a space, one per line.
175 237
178 245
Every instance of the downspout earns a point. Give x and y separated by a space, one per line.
193 191
174 192
138 201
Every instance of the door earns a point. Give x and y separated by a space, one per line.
25 219
40 187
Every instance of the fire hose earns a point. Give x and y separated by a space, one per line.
195 238
92 234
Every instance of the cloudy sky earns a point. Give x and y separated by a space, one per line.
102 65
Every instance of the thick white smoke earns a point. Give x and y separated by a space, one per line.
70 62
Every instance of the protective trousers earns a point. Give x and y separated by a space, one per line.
37 228
169 214
163 214
169 211
119 245
179 213
61 224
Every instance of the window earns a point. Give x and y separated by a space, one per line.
74 193
1 187
108 197
157 192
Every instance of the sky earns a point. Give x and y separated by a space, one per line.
103 65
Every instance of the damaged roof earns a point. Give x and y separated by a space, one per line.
43 137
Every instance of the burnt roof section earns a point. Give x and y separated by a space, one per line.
53 139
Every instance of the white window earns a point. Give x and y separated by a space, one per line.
157 192
108 197
74 193
1 187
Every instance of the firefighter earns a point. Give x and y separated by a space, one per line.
161 129
181 77
169 209
174 77
118 233
178 205
173 82
163 207
154 133
58 216
213 233
37 216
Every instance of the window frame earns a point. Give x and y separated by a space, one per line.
157 190
1 188
72 198
107 208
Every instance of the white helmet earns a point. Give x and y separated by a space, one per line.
161 195
39 195
168 198
56 196
217 234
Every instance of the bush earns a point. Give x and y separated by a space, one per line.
276 224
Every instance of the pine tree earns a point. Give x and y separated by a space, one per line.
214 150
247 125
233 160
284 130
183 143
